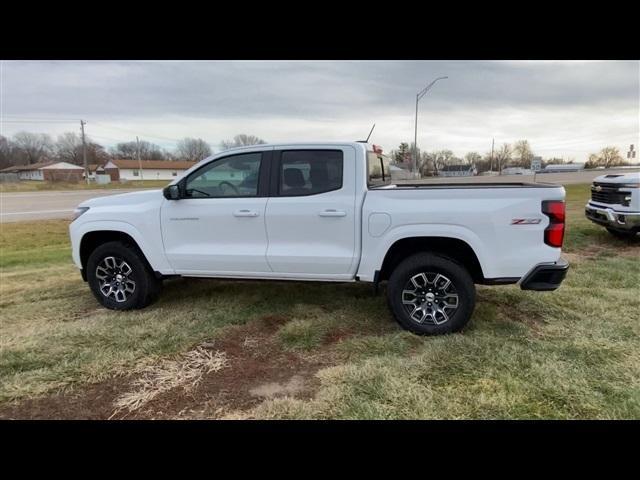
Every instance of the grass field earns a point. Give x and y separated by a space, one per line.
572 353
35 186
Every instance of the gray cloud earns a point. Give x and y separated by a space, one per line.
563 108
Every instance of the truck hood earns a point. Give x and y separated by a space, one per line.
129 198
633 177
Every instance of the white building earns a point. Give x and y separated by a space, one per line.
49 171
151 169
564 167
516 171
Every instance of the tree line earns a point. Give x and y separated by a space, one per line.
26 148
518 154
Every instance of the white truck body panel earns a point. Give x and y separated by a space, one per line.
341 235
481 217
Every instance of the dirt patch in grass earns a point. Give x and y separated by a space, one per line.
91 402
256 368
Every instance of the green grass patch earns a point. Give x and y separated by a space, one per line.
572 353
24 244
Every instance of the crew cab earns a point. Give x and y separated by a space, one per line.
615 203
324 212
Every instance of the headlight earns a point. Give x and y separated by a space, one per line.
79 211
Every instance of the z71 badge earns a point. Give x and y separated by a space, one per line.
526 221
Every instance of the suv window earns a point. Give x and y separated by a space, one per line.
235 176
309 172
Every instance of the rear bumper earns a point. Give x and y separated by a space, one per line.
608 217
545 277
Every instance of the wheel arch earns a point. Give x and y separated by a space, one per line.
454 248
94 238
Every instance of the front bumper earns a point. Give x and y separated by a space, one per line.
608 217
545 277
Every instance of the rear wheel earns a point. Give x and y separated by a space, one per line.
431 294
120 277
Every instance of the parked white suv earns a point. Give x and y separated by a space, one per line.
615 203
324 212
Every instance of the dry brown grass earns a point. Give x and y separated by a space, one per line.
169 374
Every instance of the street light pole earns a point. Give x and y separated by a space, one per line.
415 134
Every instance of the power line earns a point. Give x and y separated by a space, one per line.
134 132
38 121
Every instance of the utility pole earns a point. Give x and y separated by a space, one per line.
492 143
84 152
415 133
138 154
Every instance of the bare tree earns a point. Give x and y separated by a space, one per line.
241 140
69 148
523 152
607 157
5 153
192 149
128 151
33 147
473 158
503 156
442 158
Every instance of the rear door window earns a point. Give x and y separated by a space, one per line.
309 172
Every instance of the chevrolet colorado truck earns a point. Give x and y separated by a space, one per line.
324 212
615 204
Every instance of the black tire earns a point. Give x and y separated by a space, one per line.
145 288
624 234
434 322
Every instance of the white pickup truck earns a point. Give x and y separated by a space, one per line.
326 212
615 203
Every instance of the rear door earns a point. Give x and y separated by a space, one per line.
310 216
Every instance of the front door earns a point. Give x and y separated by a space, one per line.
218 228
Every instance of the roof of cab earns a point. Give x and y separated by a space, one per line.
297 144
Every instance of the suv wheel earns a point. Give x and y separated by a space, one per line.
431 294
120 277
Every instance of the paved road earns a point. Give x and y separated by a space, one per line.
20 206
15 207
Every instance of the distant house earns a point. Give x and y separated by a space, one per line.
458 171
516 171
48 171
151 169
563 167
124 170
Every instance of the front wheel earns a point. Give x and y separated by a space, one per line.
431 294
120 278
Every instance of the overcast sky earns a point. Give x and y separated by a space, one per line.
564 108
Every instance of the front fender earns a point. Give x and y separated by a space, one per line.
152 249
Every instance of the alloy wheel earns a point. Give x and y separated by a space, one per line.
114 276
430 298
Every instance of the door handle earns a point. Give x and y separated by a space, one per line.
332 213
245 213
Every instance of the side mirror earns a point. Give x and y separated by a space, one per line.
172 192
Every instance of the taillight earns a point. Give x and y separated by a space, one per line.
554 233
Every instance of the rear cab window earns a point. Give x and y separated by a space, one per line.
378 168
309 172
